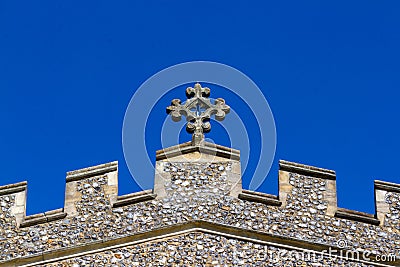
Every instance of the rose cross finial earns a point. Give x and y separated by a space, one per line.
198 110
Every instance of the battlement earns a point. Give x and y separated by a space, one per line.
195 187
289 179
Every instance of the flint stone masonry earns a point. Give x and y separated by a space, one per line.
196 191
204 249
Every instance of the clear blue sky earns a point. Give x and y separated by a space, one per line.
329 70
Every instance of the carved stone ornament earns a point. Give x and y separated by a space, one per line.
198 110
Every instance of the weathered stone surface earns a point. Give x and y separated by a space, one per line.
195 192
198 110
203 249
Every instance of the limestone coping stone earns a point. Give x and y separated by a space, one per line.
204 147
390 187
356 216
259 197
307 170
13 188
92 171
45 217
134 198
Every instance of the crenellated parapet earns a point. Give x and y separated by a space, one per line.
198 214
196 187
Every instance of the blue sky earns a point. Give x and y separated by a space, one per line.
329 70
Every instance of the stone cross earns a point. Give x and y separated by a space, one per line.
198 110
